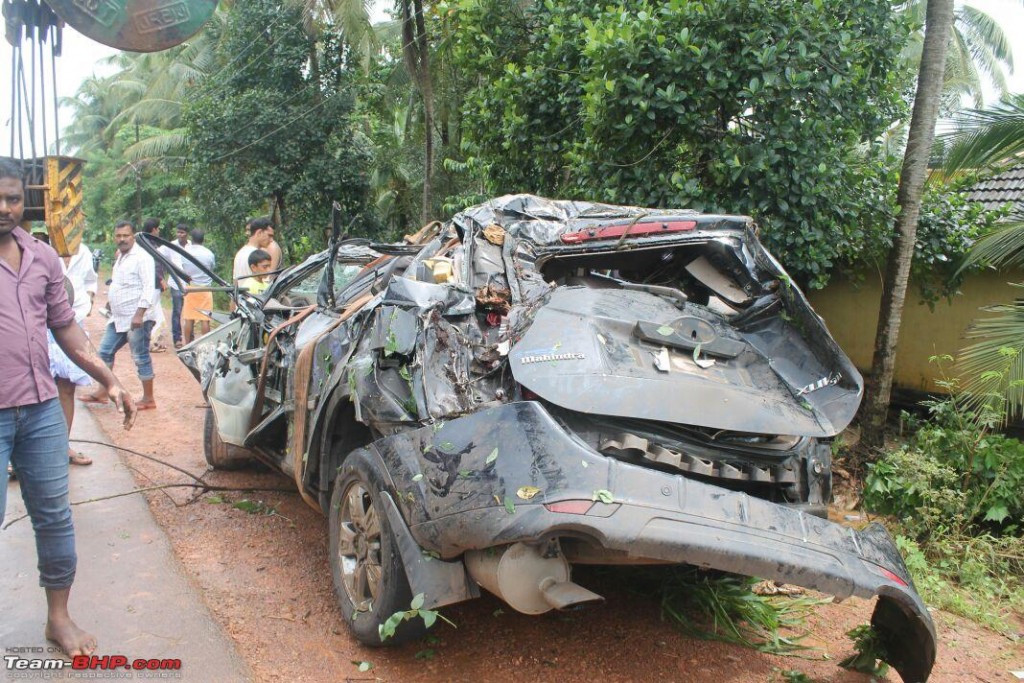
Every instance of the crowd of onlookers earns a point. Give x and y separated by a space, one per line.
135 316
43 300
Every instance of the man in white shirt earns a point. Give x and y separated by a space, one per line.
80 274
197 303
130 300
79 271
156 312
177 296
261 234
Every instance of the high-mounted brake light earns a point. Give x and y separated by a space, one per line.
629 229
570 507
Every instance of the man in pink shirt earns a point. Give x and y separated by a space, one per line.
33 434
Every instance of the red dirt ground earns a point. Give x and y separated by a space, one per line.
266 580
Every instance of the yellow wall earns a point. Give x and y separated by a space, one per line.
851 313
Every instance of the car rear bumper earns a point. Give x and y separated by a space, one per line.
490 478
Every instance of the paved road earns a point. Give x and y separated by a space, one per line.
130 590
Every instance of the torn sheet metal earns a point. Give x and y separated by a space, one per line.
534 351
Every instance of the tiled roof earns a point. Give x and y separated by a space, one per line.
999 189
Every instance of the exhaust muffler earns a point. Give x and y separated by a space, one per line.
527 580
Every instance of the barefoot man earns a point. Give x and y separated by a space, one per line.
33 435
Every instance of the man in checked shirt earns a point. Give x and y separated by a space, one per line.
133 305
33 435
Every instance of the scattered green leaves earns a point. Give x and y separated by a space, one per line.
603 495
388 628
527 492
362 667
869 652
254 507
491 457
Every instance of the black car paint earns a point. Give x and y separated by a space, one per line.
441 395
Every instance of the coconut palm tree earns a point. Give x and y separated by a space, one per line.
978 50
939 22
92 107
350 17
991 138
993 363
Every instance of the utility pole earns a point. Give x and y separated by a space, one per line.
138 186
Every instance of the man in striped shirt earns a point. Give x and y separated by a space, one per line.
131 301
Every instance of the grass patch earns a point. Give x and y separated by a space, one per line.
712 605
952 493
715 606
978 578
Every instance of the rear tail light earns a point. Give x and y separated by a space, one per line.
892 576
570 507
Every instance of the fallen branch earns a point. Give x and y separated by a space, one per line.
148 478
207 488
110 497
143 455
201 484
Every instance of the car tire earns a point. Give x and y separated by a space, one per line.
220 455
369 579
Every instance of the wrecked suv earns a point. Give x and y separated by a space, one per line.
537 384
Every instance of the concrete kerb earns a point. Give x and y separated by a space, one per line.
130 590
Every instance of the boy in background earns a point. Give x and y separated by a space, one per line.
260 262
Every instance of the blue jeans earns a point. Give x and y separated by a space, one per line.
177 302
137 340
34 439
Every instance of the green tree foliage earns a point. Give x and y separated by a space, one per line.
146 92
986 138
948 228
273 124
110 193
751 106
991 140
979 50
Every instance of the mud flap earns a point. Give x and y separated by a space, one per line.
441 583
907 636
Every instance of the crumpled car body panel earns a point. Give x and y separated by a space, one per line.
456 496
657 369
584 351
